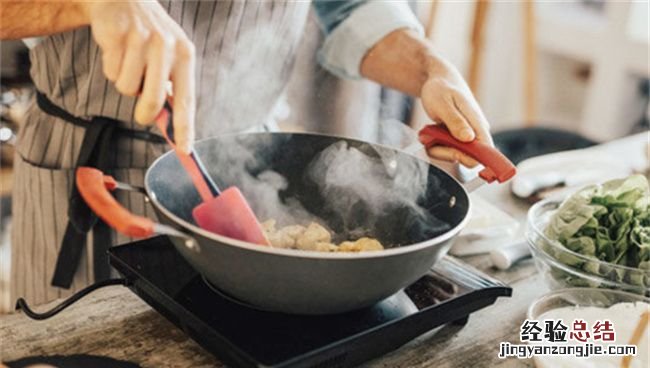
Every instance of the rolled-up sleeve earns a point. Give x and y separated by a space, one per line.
353 27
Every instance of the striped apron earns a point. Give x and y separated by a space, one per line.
245 52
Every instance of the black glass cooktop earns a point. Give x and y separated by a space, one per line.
245 337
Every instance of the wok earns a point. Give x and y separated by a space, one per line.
298 281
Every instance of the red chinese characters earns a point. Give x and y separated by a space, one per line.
579 331
604 330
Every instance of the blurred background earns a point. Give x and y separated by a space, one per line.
581 66
578 66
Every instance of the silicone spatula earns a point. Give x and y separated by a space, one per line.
222 212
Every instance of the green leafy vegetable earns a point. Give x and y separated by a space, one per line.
608 223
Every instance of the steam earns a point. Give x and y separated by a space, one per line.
367 185
364 190
236 93
242 162
347 177
263 194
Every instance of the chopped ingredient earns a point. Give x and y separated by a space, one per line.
362 244
314 237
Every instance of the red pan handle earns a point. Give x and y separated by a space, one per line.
94 187
497 166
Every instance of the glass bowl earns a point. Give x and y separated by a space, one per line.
561 267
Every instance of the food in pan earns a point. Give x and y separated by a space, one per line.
362 244
607 223
313 237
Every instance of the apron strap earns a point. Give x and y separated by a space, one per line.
50 108
95 151
81 219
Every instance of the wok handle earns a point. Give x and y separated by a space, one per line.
497 166
95 189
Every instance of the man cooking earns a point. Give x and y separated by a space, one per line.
101 68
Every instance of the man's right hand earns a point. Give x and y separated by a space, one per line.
142 49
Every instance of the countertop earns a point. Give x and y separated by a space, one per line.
114 322
6 180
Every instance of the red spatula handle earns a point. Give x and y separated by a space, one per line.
497 166
162 122
94 187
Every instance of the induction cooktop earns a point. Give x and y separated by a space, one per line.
242 336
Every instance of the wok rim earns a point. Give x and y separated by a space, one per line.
192 229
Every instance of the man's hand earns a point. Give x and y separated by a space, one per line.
142 49
448 100
405 61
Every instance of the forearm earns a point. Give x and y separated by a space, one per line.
403 60
22 19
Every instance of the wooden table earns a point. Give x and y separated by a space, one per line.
114 322
6 180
